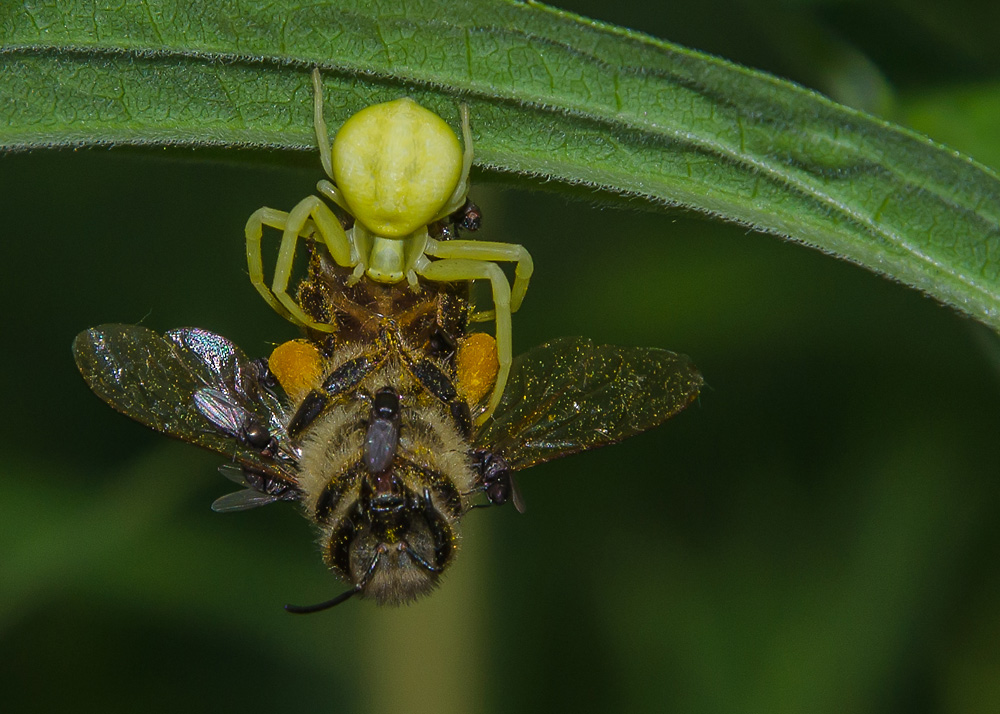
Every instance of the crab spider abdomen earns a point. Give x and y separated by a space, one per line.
396 165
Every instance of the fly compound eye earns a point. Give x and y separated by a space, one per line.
397 165
256 434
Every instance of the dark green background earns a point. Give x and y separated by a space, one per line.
819 533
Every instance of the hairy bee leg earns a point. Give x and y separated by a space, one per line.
437 383
344 378
444 536
448 270
492 252
404 547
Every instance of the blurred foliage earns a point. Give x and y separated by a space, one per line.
819 533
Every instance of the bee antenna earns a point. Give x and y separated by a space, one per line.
309 609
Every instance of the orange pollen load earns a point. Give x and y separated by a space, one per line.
476 367
298 367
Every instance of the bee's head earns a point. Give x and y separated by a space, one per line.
394 547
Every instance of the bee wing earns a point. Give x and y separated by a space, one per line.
571 395
173 382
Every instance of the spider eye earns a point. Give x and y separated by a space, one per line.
396 164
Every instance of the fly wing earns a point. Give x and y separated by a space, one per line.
572 395
227 370
155 378
258 490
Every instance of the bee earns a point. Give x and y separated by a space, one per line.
370 429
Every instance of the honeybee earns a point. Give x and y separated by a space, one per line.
370 428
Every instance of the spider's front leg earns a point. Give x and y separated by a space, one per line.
489 251
309 217
453 270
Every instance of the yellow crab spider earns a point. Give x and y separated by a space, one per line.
396 168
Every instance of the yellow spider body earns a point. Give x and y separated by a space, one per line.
381 164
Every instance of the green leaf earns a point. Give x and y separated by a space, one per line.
552 95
